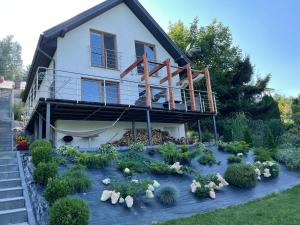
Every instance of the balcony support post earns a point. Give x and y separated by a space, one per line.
191 87
146 76
209 91
199 131
170 83
36 127
215 128
150 142
133 130
40 136
48 121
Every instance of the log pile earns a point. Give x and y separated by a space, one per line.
158 137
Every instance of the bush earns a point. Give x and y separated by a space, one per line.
60 160
44 171
18 109
69 211
77 180
40 143
158 167
108 151
207 159
227 134
167 195
241 175
207 136
41 154
268 167
262 155
56 188
136 147
290 157
133 161
248 137
184 148
234 159
234 147
269 141
69 151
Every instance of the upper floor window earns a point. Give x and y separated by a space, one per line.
142 48
93 90
103 50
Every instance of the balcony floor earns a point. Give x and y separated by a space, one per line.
82 110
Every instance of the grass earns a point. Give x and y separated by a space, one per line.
276 209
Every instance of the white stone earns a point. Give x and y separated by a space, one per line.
156 184
257 171
129 201
212 185
115 197
222 180
126 170
149 194
106 181
194 186
176 166
240 154
134 181
106 194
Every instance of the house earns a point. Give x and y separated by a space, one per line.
108 70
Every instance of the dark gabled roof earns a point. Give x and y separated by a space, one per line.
48 40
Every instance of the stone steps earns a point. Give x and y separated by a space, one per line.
12 203
11 192
13 216
9 175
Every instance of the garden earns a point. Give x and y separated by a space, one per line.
149 185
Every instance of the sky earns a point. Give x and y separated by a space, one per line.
267 30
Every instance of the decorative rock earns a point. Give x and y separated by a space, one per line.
121 200
149 194
106 181
240 154
134 181
194 186
257 171
212 185
177 167
212 194
266 172
115 197
222 180
106 195
156 184
129 201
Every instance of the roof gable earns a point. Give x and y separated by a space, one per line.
48 40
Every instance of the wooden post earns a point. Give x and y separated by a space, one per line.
191 87
209 91
146 76
170 83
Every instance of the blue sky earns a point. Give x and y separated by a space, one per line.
267 30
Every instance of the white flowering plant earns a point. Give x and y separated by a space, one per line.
266 169
126 191
205 186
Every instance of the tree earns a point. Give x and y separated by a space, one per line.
231 72
296 111
11 65
284 105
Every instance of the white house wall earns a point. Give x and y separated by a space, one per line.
73 54
112 134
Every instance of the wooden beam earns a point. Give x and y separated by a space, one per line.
147 86
131 67
173 75
155 69
195 74
209 91
191 87
171 87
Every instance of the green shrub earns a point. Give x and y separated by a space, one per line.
207 159
77 179
262 155
234 159
248 137
158 167
269 141
171 154
241 175
207 136
272 166
290 157
133 161
184 148
44 171
167 195
227 134
41 154
69 151
91 160
56 188
69 211
234 147
40 143
60 160
108 151
136 147
202 192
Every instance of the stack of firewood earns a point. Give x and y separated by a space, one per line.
158 137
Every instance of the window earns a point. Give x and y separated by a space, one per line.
98 91
142 48
103 50
158 95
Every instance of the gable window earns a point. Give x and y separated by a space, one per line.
103 50
93 90
142 48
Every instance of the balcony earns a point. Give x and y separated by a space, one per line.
105 58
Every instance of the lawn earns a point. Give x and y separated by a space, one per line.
281 208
